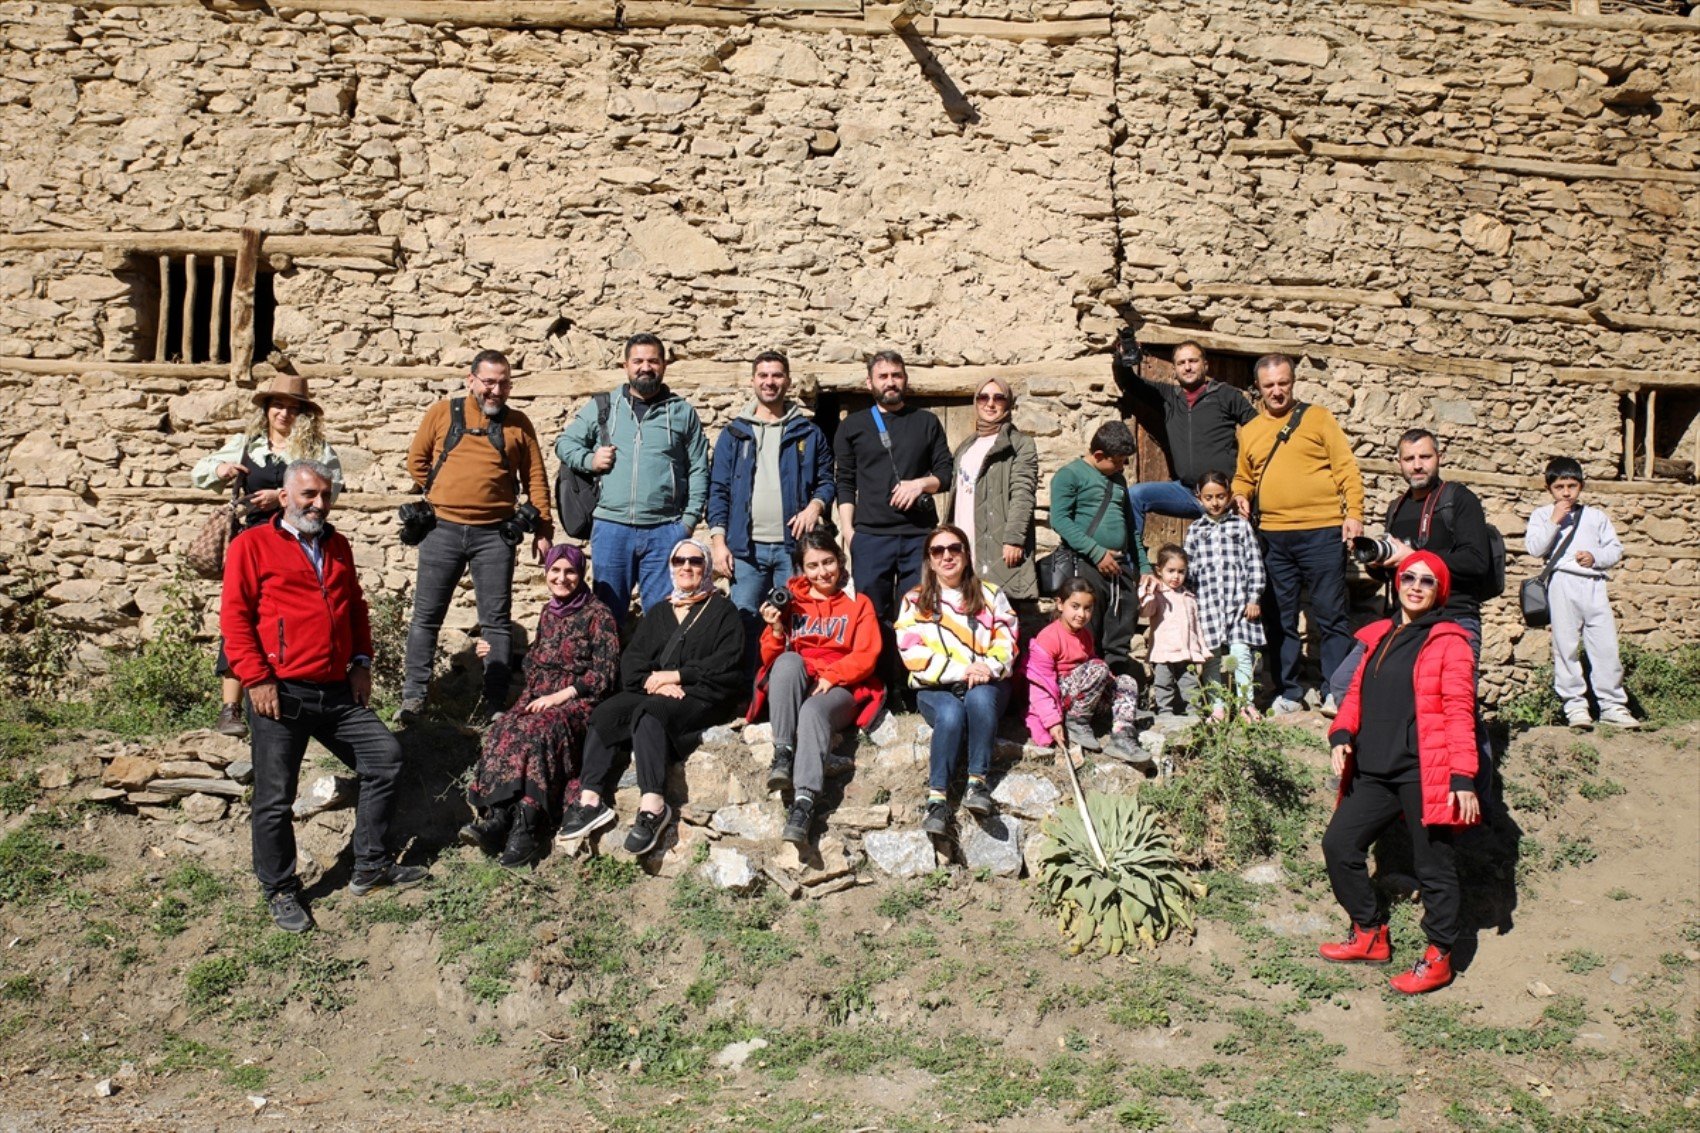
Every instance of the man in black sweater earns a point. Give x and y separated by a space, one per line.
1201 418
892 461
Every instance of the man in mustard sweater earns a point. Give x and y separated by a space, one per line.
473 482
1298 483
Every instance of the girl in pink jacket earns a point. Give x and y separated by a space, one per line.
1068 683
1175 633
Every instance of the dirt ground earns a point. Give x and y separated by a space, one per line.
594 996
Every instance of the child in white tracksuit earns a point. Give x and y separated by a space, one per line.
1576 593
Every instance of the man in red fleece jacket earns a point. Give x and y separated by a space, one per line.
300 640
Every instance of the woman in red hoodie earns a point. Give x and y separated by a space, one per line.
818 656
1405 743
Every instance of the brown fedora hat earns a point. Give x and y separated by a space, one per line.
291 386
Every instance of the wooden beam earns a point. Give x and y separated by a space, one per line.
1628 379
1651 433
215 331
1629 435
1634 320
1558 170
666 13
1045 31
200 244
1534 17
1243 344
76 367
186 350
242 305
162 328
891 17
471 13
1343 296
1521 312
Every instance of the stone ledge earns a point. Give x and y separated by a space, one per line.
1531 17
1297 144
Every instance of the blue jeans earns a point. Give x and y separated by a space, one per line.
1165 497
970 722
766 570
1297 559
621 556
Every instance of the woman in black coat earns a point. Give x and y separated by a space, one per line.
681 672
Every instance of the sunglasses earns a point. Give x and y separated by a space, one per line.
940 550
1420 581
696 561
991 399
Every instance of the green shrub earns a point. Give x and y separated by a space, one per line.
168 684
35 651
1665 684
31 867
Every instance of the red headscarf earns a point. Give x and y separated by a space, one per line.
1443 577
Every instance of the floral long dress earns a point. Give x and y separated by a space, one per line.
535 756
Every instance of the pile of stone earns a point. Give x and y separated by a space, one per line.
198 775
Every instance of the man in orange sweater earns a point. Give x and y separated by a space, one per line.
472 456
1298 483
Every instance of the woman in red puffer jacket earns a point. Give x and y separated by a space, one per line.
1405 743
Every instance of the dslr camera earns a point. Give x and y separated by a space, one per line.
417 520
779 597
521 523
1366 551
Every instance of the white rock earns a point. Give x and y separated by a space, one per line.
728 868
901 853
994 843
203 808
755 821
761 733
1029 796
1264 873
733 1055
326 793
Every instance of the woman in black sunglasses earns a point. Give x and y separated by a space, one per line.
681 673
958 639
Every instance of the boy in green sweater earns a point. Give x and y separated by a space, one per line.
1089 513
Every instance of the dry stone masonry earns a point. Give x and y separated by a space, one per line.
1481 218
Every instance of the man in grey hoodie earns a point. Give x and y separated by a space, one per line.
652 470
770 482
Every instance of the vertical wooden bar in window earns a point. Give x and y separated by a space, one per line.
187 338
215 331
242 306
1652 431
1629 435
162 333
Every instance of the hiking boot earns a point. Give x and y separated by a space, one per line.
581 819
646 830
1579 720
490 831
524 844
1365 946
1432 972
798 821
1124 745
1619 717
779 775
231 721
937 821
1284 707
287 911
977 799
392 876
412 711
1081 735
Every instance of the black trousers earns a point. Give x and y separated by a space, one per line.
1115 614
354 734
1369 807
605 762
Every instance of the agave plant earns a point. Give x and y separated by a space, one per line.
1140 893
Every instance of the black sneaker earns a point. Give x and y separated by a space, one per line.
392 876
412 711
779 775
797 822
1081 735
977 799
231 722
288 913
646 830
581 820
937 821
524 840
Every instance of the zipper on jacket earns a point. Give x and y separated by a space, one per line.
280 653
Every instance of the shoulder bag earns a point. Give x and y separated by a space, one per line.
1063 563
1532 597
205 552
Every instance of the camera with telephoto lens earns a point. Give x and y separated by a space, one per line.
417 520
779 597
521 523
1366 551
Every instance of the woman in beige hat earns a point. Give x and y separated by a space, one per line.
287 425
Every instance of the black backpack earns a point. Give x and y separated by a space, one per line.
577 493
1446 503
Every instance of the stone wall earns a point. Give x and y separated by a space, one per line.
1455 220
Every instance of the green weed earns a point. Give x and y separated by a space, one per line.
1581 961
32 868
1427 1025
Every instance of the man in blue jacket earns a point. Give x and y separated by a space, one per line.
770 482
651 465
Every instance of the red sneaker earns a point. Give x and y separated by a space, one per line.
1366 946
1432 972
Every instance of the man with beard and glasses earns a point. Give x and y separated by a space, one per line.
769 484
472 456
646 447
892 460
299 639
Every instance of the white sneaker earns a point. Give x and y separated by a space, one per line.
1285 707
1618 717
1329 708
1579 720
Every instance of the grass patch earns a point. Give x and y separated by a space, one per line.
742 927
1581 961
1427 1025
33 868
1294 1080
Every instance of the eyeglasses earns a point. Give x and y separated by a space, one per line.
940 550
696 561
992 399
1420 581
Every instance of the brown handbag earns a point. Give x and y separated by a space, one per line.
205 553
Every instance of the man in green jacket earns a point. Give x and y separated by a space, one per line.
652 474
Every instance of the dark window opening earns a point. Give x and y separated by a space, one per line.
208 338
1665 421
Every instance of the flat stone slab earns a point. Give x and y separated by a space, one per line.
755 821
900 853
729 868
993 843
1028 795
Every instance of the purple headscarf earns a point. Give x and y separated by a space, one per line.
575 559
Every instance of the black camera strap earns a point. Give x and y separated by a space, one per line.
457 430
1281 438
670 651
